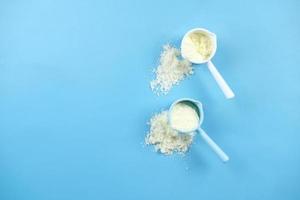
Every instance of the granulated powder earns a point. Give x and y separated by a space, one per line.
171 70
165 139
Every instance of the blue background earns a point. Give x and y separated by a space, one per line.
75 100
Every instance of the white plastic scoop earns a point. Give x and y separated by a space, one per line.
190 121
189 52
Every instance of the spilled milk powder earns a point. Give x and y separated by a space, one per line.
165 139
171 70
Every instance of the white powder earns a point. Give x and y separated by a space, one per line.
184 118
165 139
171 70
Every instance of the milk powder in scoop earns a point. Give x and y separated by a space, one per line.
186 115
199 46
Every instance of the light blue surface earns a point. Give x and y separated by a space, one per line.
75 99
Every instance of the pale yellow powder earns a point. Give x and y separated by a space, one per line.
198 47
203 44
184 117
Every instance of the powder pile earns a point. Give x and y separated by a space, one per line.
170 71
165 139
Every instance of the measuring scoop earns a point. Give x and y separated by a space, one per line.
198 108
187 54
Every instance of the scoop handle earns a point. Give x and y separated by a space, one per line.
223 156
221 82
